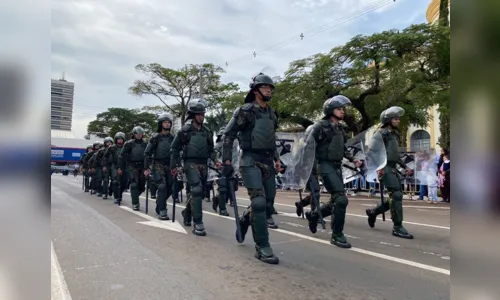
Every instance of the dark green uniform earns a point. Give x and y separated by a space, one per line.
197 147
131 159
220 199
93 179
330 139
84 162
390 135
157 155
110 160
97 166
255 127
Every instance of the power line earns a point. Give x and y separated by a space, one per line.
312 32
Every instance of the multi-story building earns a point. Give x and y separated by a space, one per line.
62 93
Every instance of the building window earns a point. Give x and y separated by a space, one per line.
420 140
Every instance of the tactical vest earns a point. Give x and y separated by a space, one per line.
163 147
261 134
115 152
137 152
391 145
331 142
196 146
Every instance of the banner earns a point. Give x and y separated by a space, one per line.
66 154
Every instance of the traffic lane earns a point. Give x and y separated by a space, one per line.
100 258
431 245
425 214
301 276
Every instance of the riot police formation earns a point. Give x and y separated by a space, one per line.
255 124
197 146
388 132
157 163
252 128
330 138
131 160
110 165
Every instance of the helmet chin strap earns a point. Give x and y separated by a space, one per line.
265 98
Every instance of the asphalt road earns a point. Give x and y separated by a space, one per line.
103 251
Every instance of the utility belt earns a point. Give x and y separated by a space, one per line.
260 153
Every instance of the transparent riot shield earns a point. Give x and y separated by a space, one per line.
301 163
235 160
375 157
355 146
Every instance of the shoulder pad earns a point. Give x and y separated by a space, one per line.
156 134
186 127
323 123
247 106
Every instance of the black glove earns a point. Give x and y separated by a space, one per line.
227 170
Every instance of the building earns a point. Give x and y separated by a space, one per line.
61 106
432 13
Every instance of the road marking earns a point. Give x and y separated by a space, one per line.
59 288
418 206
169 225
354 249
371 253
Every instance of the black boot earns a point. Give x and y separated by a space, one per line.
244 224
299 208
187 218
372 217
136 207
163 215
313 221
224 213
266 255
401 232
199 229
271 224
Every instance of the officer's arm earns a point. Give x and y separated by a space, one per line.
105 157
148 153
211 147
276 125
230 133
176 149
124 154
347 153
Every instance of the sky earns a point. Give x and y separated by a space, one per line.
96 44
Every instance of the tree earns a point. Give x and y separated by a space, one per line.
115 119
444 59
183 85
384 69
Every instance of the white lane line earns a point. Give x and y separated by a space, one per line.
354 249
59 288
418 206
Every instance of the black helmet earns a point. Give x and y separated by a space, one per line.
101 145
108 139
335 102
392 112
197 106
120 135
138 130
96 144
89 146
255 83
162 118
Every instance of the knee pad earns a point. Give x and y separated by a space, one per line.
197 191
340 200
258 199
397 196
161 187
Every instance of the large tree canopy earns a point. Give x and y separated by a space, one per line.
393 67
182 85
115 119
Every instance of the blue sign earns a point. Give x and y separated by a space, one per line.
66 154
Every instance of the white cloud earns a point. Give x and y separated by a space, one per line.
98 43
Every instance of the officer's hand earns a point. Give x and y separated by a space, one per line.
277 166
358 163
173 172
380 173
218 165
104 169
147 172
120 172
409 172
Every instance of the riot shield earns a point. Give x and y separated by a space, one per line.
235 160
355 146
375 157
301 163
212 173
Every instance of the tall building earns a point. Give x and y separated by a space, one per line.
62 93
